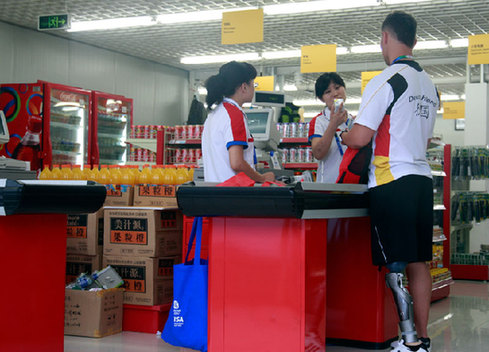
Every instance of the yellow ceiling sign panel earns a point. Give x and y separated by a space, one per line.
240 27
478 51
318 58
264 83
367 76
454 110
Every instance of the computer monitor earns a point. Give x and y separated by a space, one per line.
4 135
263 128
264 98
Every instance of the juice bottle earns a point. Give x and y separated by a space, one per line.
56 173
87 173
156 175
77 172
135 171
104 175
115 174
145 176
169 175
94 174
181 175
46 174
191 172
66 173
127 175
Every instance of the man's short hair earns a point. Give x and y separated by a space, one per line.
402 25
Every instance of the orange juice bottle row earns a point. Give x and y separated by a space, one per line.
121 174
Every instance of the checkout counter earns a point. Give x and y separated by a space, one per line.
290 268
33 258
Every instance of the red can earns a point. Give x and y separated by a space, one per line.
285 156
198 129
178 156
301 155
198 154
139 154
145 154
191 156
292 155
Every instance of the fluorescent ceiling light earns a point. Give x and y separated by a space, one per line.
196 16
308 102
310 114
202 91
284 54
431 44
313 6
290 87
247 105
395 2
449 97
111 24
195 60
341 50
361 49
459 43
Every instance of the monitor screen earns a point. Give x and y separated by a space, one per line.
257 121
4 136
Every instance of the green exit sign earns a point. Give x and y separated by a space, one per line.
54 22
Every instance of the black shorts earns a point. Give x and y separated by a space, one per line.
401 215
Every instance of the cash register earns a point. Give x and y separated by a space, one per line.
11 168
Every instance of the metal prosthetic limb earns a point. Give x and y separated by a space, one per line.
404 305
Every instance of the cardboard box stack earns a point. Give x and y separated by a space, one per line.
142 245
84 244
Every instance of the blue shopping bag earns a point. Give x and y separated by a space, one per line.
187 321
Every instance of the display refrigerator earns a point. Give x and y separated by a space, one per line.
48 123
110 126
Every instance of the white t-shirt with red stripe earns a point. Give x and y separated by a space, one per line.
400 104
329 166
225 126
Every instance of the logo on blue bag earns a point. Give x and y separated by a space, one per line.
176 305
178 322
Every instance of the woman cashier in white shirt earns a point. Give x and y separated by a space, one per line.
227 145
325 128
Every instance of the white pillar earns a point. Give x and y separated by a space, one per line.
476 114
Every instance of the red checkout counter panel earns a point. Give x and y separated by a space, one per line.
290 268
33 258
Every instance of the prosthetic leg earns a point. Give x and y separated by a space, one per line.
403 301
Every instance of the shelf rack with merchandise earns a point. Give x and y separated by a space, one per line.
469 213
296 144
439 157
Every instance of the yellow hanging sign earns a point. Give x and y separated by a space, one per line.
367 76
264 83
318 58
240 27
454 110
478 51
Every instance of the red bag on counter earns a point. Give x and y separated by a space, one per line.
239 180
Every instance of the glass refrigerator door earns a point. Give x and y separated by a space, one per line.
113 116
69 127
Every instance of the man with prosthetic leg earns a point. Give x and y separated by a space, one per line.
397 114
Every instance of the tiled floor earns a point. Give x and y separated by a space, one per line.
459 323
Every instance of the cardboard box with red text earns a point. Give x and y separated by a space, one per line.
147 281
119 195
77 264
142 232
85 233
155 196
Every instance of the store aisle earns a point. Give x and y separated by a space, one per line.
459 323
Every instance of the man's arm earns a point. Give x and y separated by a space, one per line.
238 164
358 137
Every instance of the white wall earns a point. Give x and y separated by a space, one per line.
446 128
160 93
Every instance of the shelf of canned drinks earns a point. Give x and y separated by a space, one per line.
182 155
293 129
